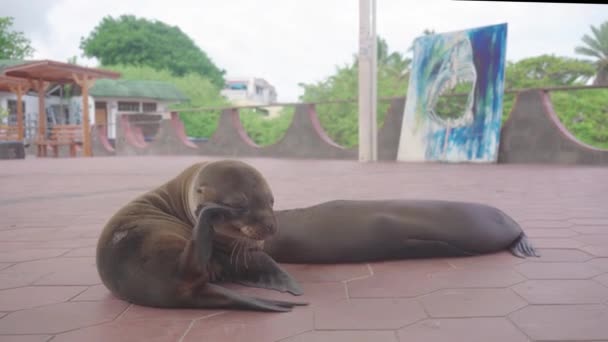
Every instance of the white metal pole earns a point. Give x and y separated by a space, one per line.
367 81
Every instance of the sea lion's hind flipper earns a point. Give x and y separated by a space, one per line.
217 297
523 248
263 272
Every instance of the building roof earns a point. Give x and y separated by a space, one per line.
52 71
5 63
7 83
137 89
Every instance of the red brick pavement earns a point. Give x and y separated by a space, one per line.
51 212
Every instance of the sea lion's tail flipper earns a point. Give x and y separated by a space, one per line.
215 296
523 248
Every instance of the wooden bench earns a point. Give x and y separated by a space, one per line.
61 135
9 133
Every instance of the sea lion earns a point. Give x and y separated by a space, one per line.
171 246
360 231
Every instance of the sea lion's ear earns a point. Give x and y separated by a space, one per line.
207 193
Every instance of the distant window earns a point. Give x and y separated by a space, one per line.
259 90
149 106
12 111
128 106
236 86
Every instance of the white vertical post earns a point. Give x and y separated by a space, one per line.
368 136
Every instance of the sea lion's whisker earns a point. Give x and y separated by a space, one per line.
234 246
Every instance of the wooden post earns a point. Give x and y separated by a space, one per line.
85 83
20 90
41 86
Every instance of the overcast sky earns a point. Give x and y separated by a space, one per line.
290 41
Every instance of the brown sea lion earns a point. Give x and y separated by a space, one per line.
175 245
171 246
360 231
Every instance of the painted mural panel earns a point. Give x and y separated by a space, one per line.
454 100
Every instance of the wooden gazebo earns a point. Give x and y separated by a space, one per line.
19 87
38 75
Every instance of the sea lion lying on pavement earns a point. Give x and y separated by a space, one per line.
174 245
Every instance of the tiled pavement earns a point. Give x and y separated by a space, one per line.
51 212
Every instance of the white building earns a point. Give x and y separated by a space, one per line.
249 91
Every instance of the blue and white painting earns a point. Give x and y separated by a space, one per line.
470 63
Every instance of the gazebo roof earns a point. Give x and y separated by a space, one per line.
6 82
53 71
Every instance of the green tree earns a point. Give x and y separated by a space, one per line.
547 71
543 71
340 120
13 45
129 40
596 46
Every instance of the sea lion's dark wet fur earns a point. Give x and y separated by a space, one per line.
156 252
358 231
174 245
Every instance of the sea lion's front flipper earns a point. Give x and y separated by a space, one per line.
215 296
260 270
197 254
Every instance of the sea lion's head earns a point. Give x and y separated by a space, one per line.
243 189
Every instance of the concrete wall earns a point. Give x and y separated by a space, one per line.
305 138
534 134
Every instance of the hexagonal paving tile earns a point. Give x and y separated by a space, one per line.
251 326
543 223
471 302
157 330
563 322
33 296
95 293
463 329
56 318
86 275
591 229
600 221
556 243
25 338
326 273
594 240
561 255
483 277
502 259
137 312
30 254
368 314
344 336
10 279
557 270
391 285
599 263
598 251
603 279
550 232
562 291
407 267
82 251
